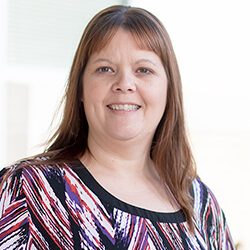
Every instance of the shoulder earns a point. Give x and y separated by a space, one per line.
209 217
27 173
204 198
10 171
11 179
34 183
32 202
206 206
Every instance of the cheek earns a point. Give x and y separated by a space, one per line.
158 95
162 91
92 92
90 87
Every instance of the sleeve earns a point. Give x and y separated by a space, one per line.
226 239
14 216
210 218
221 229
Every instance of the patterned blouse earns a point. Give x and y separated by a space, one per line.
64 207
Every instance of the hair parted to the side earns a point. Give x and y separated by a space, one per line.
170 150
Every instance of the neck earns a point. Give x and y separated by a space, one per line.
120 157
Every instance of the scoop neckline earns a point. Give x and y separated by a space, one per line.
111 200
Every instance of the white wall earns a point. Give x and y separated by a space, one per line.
211 40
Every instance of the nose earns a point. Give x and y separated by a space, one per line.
125 83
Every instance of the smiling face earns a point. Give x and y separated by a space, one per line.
124 90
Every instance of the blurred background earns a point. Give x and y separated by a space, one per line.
211 40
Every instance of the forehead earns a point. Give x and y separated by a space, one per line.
122 44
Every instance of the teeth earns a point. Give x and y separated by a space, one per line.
126 107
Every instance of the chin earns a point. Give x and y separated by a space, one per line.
125 135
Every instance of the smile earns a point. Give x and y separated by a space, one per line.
124 107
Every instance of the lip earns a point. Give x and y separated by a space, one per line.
123 104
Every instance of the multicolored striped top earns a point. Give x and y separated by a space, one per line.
64 207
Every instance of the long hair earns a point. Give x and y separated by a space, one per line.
170 150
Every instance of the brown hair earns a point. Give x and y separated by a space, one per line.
170 150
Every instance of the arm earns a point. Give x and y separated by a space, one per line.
210 218
223 235
14 216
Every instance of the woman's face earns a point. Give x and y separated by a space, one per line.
124 90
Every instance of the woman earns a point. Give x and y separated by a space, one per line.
118 172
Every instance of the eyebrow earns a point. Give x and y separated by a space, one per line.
145 60
102 60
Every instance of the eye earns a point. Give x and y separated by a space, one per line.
145 71
104 69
